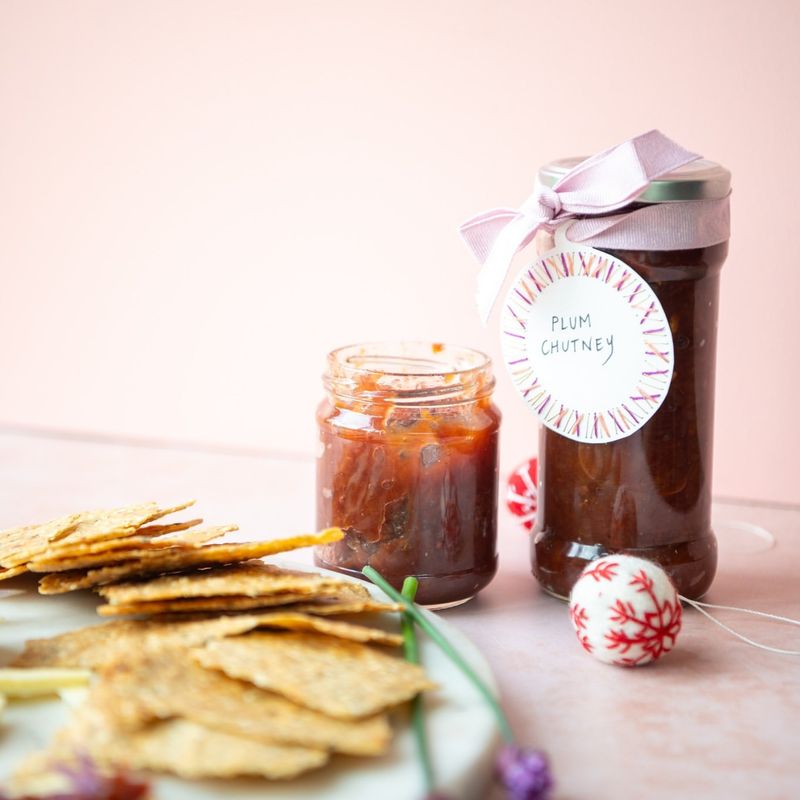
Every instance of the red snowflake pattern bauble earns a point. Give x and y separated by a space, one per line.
522 493
625 610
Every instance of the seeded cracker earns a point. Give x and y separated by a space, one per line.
311 591
171 527
322 608
337 677
251 579
169 684
286 620
33 538
20 545
179 746
69 581
187 541
292 620
196 605
95 525
96 645
12 572
172 561
148 536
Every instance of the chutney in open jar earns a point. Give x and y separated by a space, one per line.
648 492
407 466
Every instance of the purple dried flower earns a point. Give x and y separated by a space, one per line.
84 777
89 783
524 773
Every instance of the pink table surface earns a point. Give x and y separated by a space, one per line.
715 719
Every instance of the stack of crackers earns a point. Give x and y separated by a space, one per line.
231 667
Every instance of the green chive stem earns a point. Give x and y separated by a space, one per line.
410 645
414 612
411 649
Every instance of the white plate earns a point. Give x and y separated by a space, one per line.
461 728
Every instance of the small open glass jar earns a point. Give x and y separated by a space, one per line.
407 466
649 493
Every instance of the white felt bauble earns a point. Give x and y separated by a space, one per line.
625 610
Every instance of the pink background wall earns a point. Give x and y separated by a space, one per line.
199 199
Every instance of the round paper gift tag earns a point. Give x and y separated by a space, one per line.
587 344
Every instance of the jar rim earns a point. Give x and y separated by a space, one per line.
410 372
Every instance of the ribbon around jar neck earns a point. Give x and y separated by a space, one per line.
597 186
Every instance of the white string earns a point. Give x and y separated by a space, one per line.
768 537
696 604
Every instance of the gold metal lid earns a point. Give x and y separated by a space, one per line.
699 180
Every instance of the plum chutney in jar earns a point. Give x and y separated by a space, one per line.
647 494
407 466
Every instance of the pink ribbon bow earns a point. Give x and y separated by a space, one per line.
601 184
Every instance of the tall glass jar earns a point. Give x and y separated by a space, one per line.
649 493
407 466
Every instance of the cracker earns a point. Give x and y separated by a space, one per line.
294 621
170 684
96 525
286 619
96 645
324 607
194 605
337 677
12 572
171 561
36 538
192 751
151 536
176 746
250 578
20 545
191 540
350 598
172 527
69 581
